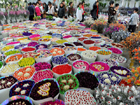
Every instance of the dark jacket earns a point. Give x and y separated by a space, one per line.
111 14
61 12
46 8
94 12
31 10
70 11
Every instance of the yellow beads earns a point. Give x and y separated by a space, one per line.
45 37
10 68
61 41
26 62
6 48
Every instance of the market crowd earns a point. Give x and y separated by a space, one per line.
43 9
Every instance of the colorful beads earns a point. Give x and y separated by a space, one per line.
44 37
94 48
26 62
42 74
24 73
61 41
67 82
42 66
104 52
44 40
28 49
32 44
6 48
62 69
11 52
13 58
9 69
57 51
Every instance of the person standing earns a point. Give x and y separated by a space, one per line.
31 10
45 6
134 21
117 12
50 9
64 6
95 11
55 6
61 11
70 9
37 9
83 3
42 10
79 12
111 12
39 1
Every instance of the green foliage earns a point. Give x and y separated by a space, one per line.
49 17
37 18
103 5
87 5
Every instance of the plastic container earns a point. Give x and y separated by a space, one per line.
62 70
28 49
15 99
88 43
59 60
98 43
45 94
15 57
99 67
89 56
73 57
101 56
5 91
70 50
116 51
80 65
42 41
13 43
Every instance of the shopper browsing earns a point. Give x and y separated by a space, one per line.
83 3
31 10
37 9
117 12
50 9
61 11
95 10
70 9
134 21
79 12
111 13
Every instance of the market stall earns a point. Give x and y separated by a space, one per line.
47 62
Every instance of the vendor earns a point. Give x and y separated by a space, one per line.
134 21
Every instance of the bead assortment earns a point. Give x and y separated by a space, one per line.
24 73
42 66
26 62
53 91
67 82
62 69
59 60
42 74
22 88
9 69
78 97
7 82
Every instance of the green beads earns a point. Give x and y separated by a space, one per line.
11 52
26 62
